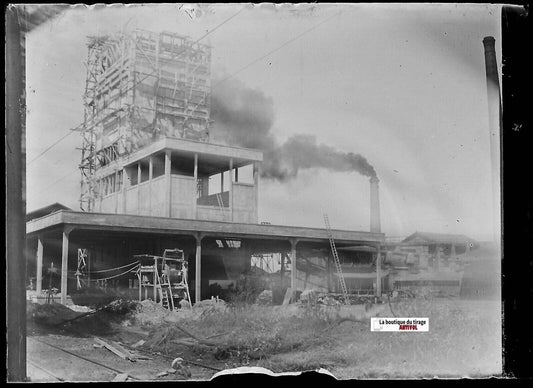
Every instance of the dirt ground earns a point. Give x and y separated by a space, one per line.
464 340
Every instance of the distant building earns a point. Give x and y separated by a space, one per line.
448 244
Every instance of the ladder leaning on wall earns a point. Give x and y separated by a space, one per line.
336 259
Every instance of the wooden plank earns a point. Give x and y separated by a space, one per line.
116 348
121 377
287 298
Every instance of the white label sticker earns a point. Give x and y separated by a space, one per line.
399 324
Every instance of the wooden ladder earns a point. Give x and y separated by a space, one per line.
167 301
336 259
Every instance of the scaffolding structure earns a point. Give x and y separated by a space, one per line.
140 86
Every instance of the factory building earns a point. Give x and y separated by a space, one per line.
152 179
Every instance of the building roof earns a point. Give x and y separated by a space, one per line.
45 211
421 238
163 225
213 157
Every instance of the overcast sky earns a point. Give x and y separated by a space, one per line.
402 85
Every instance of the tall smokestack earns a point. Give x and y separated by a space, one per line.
375 217
495 117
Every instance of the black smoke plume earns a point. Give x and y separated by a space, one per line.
244 117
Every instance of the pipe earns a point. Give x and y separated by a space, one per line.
495 125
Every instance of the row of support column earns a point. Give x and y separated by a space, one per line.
198 263
64 263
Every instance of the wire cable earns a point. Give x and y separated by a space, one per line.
50 147
114 269
58 180
267 54
116 276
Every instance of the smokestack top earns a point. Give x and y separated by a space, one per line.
374 179
489 41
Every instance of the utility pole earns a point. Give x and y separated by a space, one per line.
15 203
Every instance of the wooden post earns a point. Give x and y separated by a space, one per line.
328 272
100 193
116 191
282 269
256 191
378 271
139 279
195 189
64 264
154 280
15 200
231 188
294 242
150 176
198 270
39 286
168 182
139 173
125 186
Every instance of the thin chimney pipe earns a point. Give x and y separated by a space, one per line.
375 216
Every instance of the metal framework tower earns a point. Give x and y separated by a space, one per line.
139 87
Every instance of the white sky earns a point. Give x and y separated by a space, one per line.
403 85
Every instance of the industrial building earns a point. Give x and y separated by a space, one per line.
151 179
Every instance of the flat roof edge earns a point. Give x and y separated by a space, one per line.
125 221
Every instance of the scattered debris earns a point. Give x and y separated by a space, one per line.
184 304
162 374
121 377
181 369
80 309
138 343
288 297
50 314
117 349
265 297
308 296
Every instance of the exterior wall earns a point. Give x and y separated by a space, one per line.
212 213
159 208
144 208
182 200
244 203
149 198
211 200
120 197
108 203
132 200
